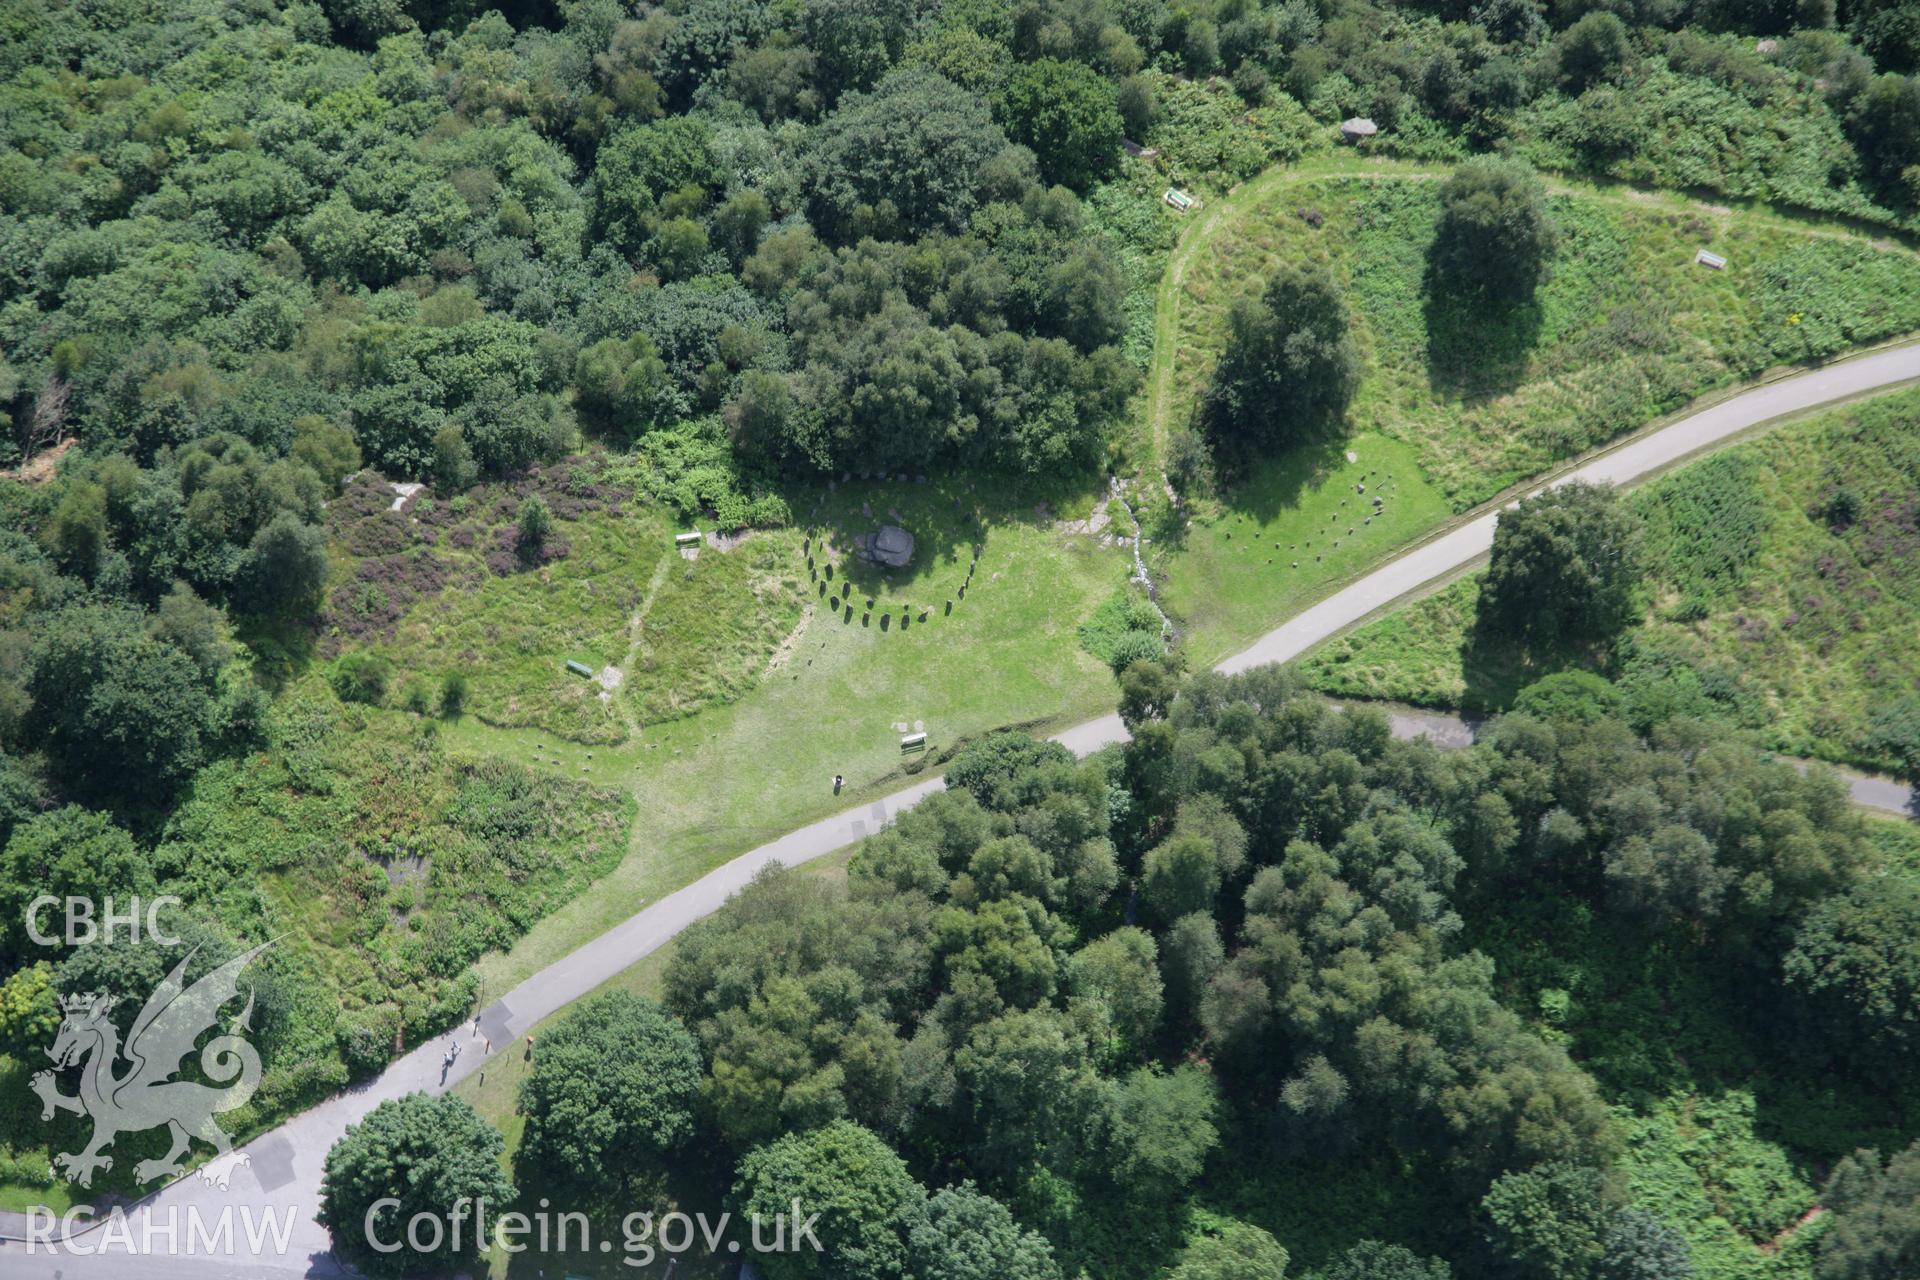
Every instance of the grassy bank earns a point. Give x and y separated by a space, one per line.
1782 594
1455 405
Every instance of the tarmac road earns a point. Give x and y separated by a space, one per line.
283 1175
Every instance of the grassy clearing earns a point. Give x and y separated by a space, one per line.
1626 329
1289 534
1783 594
841 687
712 626
1416 654
1458 407
438 589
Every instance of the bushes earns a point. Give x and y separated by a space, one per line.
1707 525
1125 629
361 677
1206 135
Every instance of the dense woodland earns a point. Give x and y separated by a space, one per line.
1175 1005
249 251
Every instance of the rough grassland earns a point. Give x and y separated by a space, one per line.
1626 328
439 589
1801 620
1457 406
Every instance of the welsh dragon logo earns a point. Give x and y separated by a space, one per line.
145 1095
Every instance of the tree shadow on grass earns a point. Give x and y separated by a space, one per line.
1263 487
1477 348
1497 668
282 649
692 1181
950 517
1321 1203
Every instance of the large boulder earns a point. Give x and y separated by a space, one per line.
890 545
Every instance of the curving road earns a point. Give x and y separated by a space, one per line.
283 1175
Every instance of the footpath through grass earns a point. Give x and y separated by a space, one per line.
837 690
1457 406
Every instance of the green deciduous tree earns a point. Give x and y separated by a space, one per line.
1876 1218
1030 1091
794 989
1181 877
1377 1260
1638 1246
966 1234
118 710
67 853
532 528
614 1086
640 165
1564 567
1160 1131
1239 1251
623 386
1855 964
427 1153
1117 976
867 1201
1290 367
1068 114
285 570
327 449
1495 240
906 157
1591 50
1885 126
1545 1223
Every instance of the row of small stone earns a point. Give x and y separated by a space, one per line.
822 577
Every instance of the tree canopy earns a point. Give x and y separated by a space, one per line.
1564 568
615 1084
1495 239
427 1154
1290 366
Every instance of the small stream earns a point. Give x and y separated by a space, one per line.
1140 574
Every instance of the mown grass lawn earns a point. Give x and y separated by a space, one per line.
839 689
1289 534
